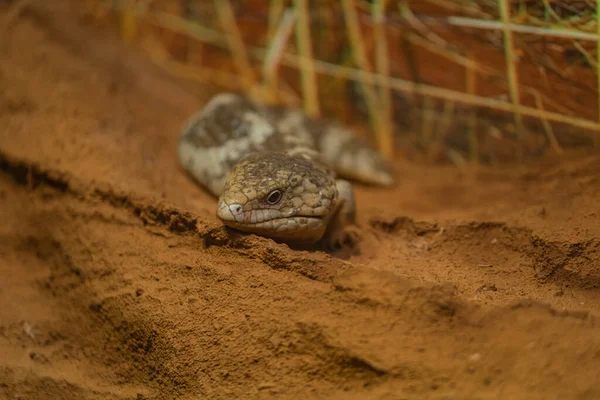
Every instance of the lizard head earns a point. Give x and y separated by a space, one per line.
280 196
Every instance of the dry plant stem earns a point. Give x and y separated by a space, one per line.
386 138
446 121
234 41
428 122
472 121
457 159
548 127
328 45
202 75
277 45
511 71
459 8
128 21
441 132
417 25
551 11
307 69
534 30
275 12
588 57
178 24
360 58
448 54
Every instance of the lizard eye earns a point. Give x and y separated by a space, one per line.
274 197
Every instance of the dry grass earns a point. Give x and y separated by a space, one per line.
307 68
381 44
511 70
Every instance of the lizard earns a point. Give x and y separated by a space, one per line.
277 172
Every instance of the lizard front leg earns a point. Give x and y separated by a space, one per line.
342 227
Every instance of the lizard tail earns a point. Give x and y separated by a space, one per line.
351 157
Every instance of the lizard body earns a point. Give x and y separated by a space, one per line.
277 172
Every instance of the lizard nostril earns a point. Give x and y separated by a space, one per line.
236 208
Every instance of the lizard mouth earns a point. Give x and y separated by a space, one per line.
278 224
296 227
260 222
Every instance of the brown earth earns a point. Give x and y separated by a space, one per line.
117 281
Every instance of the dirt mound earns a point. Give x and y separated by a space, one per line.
119 283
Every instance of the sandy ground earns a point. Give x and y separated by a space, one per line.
118 282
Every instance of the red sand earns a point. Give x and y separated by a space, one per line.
118 282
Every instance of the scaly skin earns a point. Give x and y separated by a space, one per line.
275 170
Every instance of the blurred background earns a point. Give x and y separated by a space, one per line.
459 81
